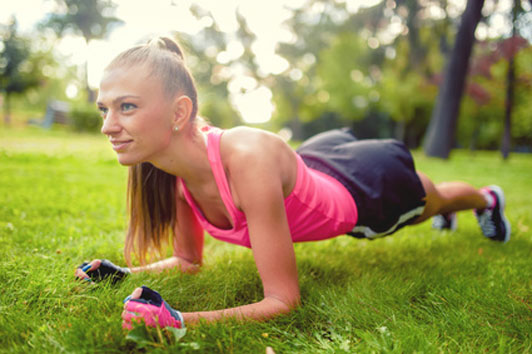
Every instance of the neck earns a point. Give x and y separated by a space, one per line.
186 156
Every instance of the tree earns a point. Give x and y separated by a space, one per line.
513 45
298 92
441 132
17 72
85 17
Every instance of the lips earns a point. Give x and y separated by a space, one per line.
119 145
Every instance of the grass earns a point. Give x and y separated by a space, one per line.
62 201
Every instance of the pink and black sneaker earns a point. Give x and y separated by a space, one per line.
492 221
151 308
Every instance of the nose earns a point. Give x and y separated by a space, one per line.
110 124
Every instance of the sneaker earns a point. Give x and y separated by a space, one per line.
444 222
492 221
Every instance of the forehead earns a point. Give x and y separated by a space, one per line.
128 80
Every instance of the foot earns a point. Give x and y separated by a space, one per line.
492 221
444 221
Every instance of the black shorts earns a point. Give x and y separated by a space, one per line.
379 174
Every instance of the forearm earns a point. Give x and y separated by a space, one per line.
173 262
266 309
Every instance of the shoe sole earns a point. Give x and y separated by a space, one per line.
500 194
452 227
454 222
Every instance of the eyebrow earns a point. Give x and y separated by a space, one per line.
118 99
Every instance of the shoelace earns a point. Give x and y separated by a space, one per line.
486 223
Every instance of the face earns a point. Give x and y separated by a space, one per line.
137 117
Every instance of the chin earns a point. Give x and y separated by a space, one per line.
125 160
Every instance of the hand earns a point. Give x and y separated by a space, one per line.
148 305
98 270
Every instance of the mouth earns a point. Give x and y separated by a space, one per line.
119 145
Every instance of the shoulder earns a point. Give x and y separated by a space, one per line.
247 139
250 153
251 143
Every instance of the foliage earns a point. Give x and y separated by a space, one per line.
88 17
85 118
62 201
19 71
376 69
91 18
481 117
346 76
212 77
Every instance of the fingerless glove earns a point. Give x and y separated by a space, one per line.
107 270
151 308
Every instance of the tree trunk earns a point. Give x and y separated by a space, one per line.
297 128
510 83
400 131
91 97
507 134
7 109
441 131
90 93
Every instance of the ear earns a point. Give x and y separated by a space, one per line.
182 111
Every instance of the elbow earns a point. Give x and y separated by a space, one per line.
186 266
190 268
284 305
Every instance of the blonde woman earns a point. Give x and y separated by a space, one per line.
248 187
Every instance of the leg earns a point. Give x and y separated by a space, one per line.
449 197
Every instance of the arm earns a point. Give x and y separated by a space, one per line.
270 239
273 251
187 243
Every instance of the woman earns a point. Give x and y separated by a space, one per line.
248 187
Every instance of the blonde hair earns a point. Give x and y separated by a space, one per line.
151 192
167 63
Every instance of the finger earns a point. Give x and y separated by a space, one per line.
126 320
141 309
94 264
81 274
136 294
130 317
127 325
137 310
269 350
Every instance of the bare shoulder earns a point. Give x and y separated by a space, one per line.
246 142
252 150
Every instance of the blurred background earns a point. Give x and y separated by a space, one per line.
438 74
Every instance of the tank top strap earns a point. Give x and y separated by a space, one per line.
214 136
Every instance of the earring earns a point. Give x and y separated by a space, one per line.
176 128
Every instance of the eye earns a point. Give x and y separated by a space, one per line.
103 111
127 107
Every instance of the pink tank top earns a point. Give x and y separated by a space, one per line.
319 207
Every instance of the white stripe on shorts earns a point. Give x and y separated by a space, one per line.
369 233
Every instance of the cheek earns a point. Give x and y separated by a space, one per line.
157 131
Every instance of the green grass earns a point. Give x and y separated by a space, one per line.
62 201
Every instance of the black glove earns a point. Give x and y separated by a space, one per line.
107 270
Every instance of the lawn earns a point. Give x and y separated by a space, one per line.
62 201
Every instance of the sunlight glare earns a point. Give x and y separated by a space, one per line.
71 91
255 106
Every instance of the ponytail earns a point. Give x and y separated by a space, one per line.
152 211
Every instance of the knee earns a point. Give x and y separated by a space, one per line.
433 199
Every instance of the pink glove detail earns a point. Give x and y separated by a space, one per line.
151 308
